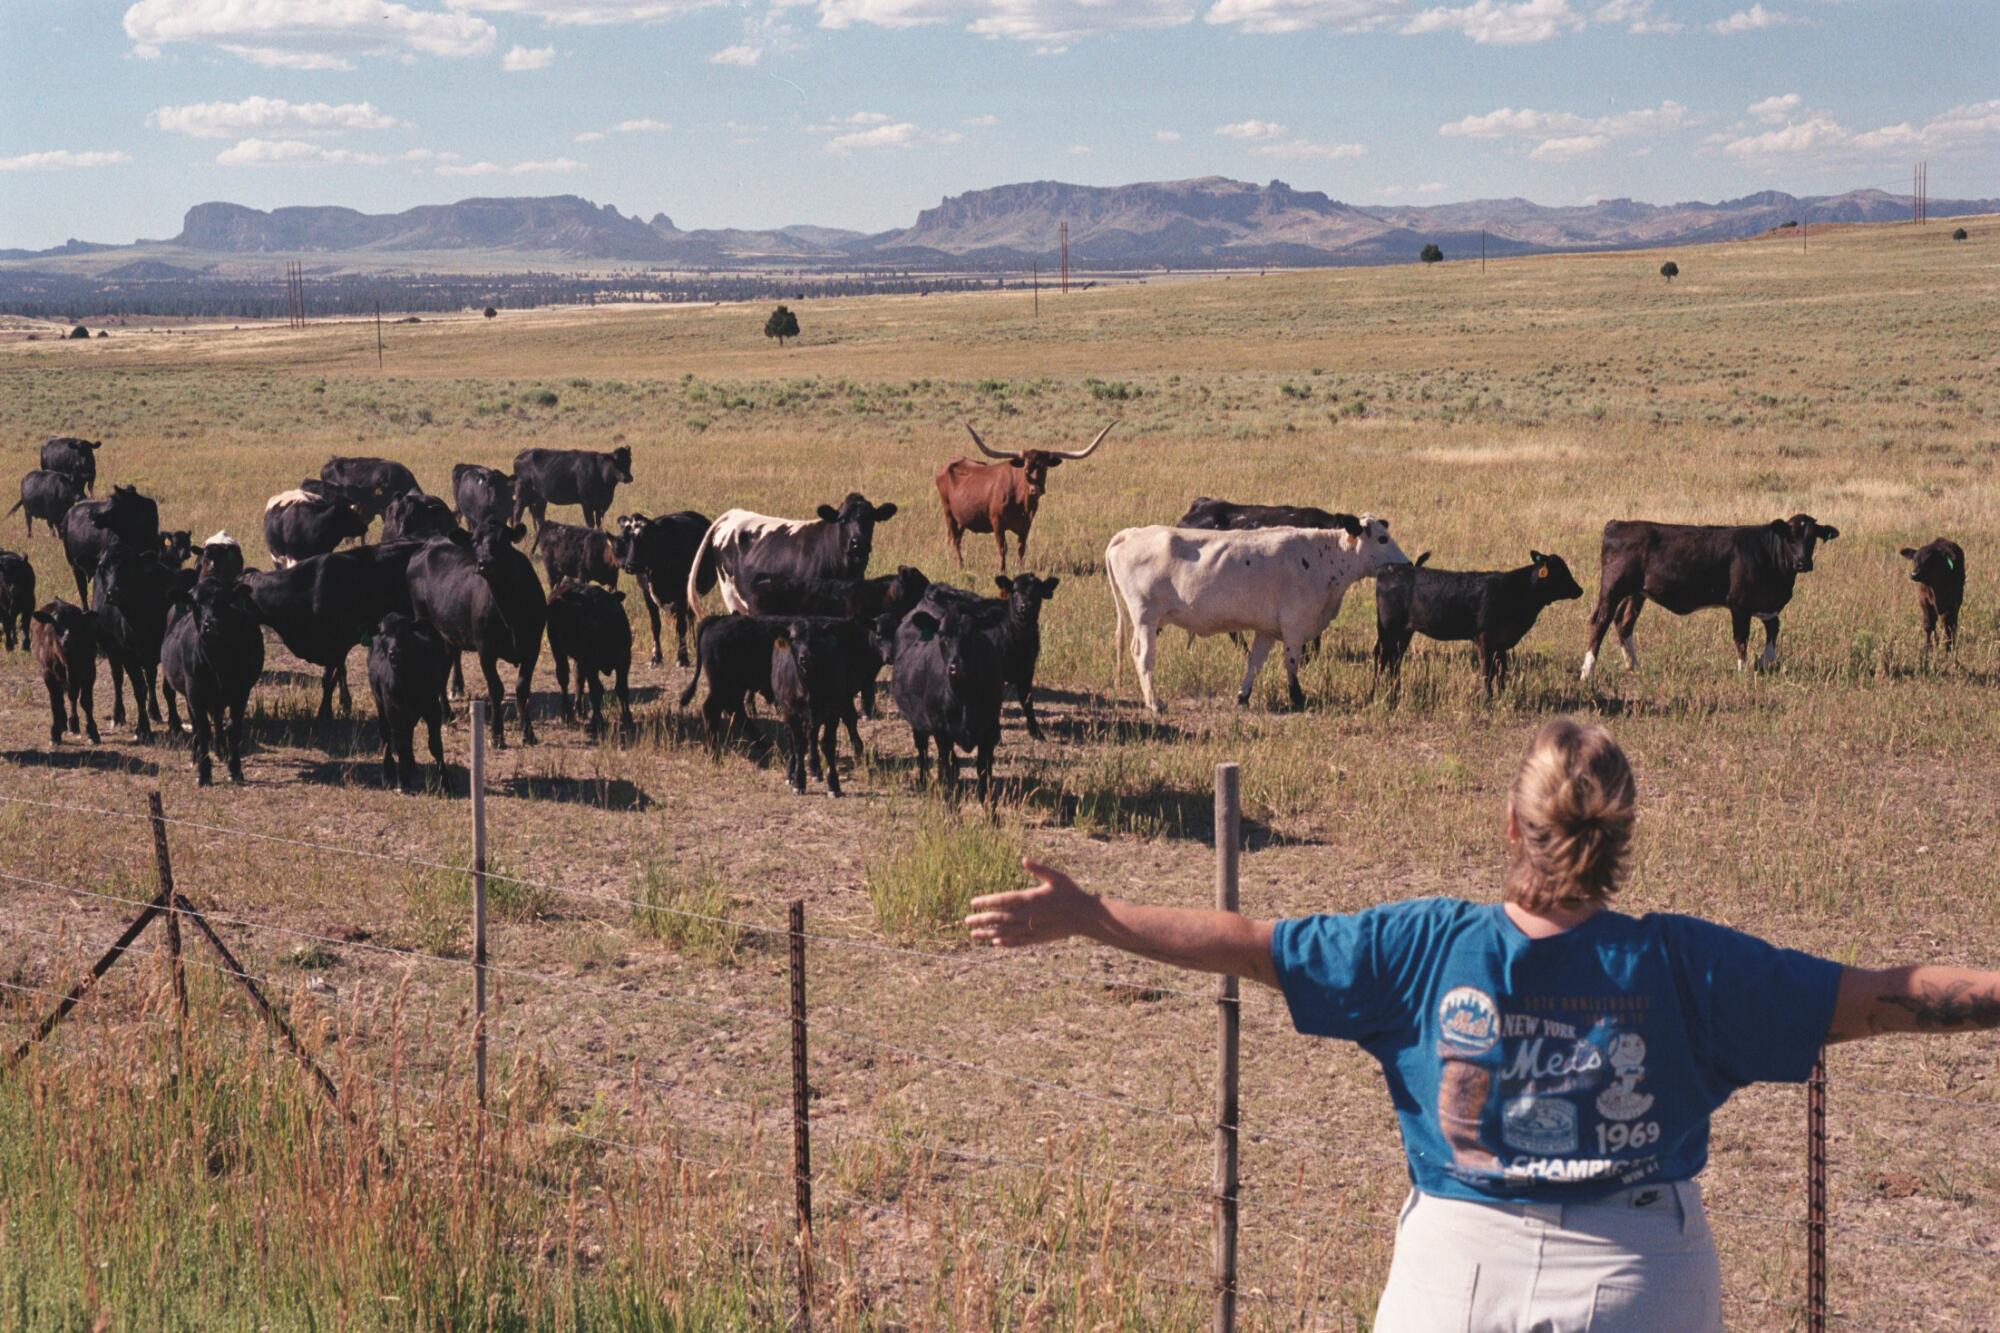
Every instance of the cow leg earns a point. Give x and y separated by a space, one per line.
653 614
406 751
173 717
83 692
496 696
1021 547
1260 648
562 686
851 721
431 723
1294 655
624 700
1769 658
142 722
56 715
983 766
1489 665
1028 712
1506 660
325 715
387 721
799 740
830 743
152 674
524 692
1145 646
948 767
923 745
82 588
204 772
346 699
1950 630
1628 620
229 725
1610 597
596 699
457 687
1000 538
683 618
1930 626
956 536
1739 628
807 739
116 671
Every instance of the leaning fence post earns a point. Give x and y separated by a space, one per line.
1816 1197
801 1112
165 866
479 898
1228 844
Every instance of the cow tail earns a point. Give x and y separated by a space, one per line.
687 695
1117 624
701 576
17 507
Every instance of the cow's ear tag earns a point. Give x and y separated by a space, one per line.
1542 572
1948 564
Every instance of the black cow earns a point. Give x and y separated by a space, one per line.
65 647
482 493
1228 516
369 484
91 526
324 605
77 457
488 600
46 494
414 516
947 685
570 477
1938 570
570 552
133 592
298 526
17 598
1686 567
733 654
213 655
176 548
851 599
809 683
658 553
741 545
588 627
1013 621
408 661
1494 609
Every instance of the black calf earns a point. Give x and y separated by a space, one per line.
1938 570
213 654
1495 610
17 598
407 665
65 645
587 627
809 682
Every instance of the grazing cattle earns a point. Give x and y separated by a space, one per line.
369 484
221 560
408 661
91 526
133 592
849 599
213 654
1000 497
414 516
482 493
485 599
64 638
570 477
176 548
588 627
324 605
1938 570
659 552
17 598
298 526
1686 567
809 684
1277 584
77 457
733 654
1228 516
571 552
47 495
740 545
1495 610
947 686
1014 621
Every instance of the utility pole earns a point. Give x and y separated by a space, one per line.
1065 258
378 333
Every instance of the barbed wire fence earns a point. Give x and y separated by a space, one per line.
1231 1203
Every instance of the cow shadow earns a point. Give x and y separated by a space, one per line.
602 793
94 760
366 775
1107 728
350 733
1183 814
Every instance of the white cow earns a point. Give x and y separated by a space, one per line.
1274 583
722 546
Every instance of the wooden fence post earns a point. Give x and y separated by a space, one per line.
163 863
1816 1197
801 1112
1228 843
479 898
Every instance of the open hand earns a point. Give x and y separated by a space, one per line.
1054 909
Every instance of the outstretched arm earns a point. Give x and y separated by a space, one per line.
1924 998
1205 941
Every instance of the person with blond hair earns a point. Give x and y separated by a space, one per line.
1553 1062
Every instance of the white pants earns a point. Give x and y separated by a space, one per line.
1642 1259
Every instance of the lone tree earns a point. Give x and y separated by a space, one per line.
1958 235
491 312
79 332
781 325
1431 254
1670 270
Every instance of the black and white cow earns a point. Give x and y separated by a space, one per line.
1494 609
1686 567
571 477
740 545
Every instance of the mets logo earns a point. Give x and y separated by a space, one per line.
1468 1021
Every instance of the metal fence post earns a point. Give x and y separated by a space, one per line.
1228 844
1816 1197
801 1112
479 897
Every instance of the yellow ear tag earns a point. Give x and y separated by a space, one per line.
1542 573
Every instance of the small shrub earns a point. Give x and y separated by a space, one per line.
924 885
541 398
79 332
687 908
439 899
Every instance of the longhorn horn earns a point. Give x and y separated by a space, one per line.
1085 453
990 453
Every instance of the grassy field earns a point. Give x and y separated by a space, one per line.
1842 803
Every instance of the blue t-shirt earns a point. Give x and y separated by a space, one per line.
1558 1068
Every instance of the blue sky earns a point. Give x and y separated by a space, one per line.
115 116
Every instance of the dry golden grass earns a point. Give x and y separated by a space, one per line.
1842 803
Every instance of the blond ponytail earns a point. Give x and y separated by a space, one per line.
1574 804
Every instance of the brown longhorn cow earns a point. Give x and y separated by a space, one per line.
999 497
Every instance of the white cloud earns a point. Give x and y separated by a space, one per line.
1079 150
880 133
307 34
223 120
986 122
525 59
1308 149
556 166
1272 16
293 153
1636 15
1752 19
1250 129
1570 147
1565 136
1497 23
644 125
841 123
1050 24
582 13
590 136
1819 132
1167 136
742 55
1391 191
60 158
1775 108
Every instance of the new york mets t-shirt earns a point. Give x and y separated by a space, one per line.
1557 1068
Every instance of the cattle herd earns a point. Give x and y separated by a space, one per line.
804 626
